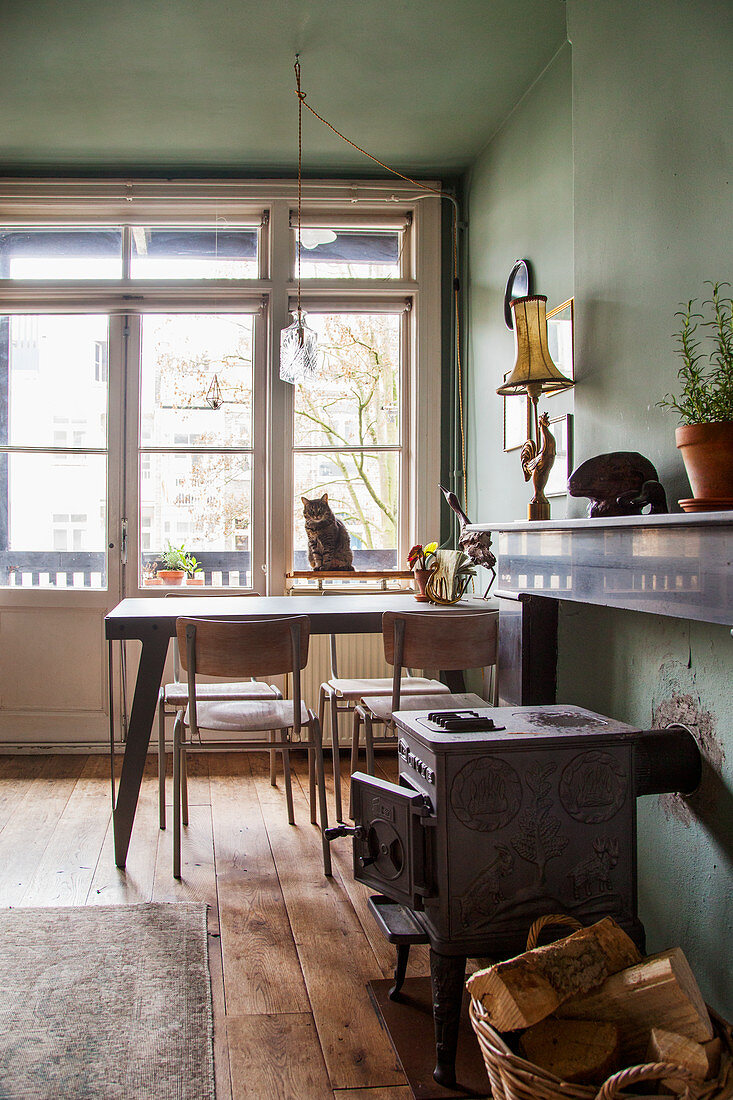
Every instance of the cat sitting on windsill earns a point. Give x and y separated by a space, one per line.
329 546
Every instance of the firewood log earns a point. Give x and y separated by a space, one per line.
522 991
659 992
668 1046
582 1051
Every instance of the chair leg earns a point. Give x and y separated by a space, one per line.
161 761
311 756
369 743
273 761
288 780
177 796
316 732
336 756
184 784
312 785
355 735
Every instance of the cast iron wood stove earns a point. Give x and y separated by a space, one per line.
502 815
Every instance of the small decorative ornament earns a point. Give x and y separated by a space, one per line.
298 351
213 394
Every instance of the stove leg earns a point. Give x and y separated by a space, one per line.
447 973
403 954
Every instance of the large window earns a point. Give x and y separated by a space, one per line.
140 399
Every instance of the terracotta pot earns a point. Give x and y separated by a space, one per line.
171 576
421 579
707 451
198 578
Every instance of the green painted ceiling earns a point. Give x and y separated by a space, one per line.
207 85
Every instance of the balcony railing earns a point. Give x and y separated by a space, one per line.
78 569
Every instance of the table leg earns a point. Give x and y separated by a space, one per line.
144 703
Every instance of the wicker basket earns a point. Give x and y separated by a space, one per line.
513 1078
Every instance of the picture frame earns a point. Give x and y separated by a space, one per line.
516 420
561 339
562 429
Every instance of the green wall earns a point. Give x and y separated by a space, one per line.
519 204
649 220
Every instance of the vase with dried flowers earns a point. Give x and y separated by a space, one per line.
421 561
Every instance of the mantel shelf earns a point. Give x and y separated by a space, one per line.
678 565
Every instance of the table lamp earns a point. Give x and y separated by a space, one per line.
534 373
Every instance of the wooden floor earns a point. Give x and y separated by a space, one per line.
291 951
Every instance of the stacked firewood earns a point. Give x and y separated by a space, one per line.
589 1005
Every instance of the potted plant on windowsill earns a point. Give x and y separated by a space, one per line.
421 560
174 565
705 401
194 572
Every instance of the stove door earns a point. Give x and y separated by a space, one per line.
392 840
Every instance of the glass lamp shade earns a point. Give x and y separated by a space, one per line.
298 351
534 371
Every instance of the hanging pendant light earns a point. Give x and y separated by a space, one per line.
213 394
298 343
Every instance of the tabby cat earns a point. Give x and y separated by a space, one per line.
329 547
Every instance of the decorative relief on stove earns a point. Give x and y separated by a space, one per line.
592 876
593 787
486 794
480 901
538 841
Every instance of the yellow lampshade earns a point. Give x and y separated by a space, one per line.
534 371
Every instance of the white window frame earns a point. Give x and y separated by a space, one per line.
191 203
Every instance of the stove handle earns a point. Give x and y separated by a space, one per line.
356 831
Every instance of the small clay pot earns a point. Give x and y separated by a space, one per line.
421 580
707 451
171 576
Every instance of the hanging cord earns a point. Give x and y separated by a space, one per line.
301 97
423 187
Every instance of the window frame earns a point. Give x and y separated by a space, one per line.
162 203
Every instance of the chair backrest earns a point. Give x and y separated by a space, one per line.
446 640
186 593
236 649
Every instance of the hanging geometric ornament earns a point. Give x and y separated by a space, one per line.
298 351
213 394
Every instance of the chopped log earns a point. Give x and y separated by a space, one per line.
668 1046
522 991
713 1053
659 992
584 1052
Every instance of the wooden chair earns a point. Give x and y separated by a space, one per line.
342 695
236 650
450 641
174 695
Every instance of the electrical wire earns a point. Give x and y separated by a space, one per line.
423 187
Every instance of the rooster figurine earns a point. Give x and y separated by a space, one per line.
536 464
476 544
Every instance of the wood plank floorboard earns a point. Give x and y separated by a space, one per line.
290 950
276 1058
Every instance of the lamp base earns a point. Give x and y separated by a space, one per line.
538 509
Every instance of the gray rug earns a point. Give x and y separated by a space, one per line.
110 1002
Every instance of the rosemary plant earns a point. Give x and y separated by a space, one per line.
706 374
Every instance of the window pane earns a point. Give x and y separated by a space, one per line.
185 358
349 253
355 398
53 520
363 492
203 503
55 393
61 253
193 253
